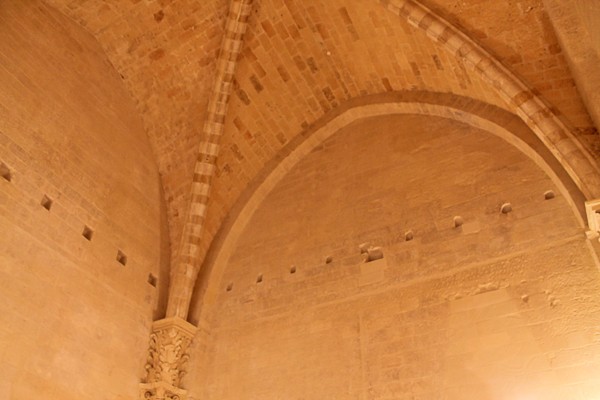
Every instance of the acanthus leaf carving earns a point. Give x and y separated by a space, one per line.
167 359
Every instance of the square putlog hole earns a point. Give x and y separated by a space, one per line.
46 202
5 172
152 280
121 258
87 233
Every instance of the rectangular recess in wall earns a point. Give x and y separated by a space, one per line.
87 233
46 202
152 280
121 258
5 172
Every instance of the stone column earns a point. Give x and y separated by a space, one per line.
167 358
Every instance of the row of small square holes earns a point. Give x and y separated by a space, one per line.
409 235
328 260
87 233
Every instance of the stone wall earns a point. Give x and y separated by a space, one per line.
83 239
301 59
468 302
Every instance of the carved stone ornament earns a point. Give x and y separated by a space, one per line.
592 209
167 359
161 391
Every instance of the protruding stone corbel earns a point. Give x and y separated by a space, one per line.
167 359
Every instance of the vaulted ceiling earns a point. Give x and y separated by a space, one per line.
302 59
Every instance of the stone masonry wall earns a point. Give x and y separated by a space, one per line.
502 306
301 59
79 188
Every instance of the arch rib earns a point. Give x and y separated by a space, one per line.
190 250
555 135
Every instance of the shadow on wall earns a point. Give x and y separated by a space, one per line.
162 282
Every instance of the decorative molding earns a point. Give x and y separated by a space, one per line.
167 359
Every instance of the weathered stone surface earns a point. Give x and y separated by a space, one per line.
504 309
473 277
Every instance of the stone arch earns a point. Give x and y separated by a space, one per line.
530 107
471 112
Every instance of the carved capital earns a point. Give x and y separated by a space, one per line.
167 359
